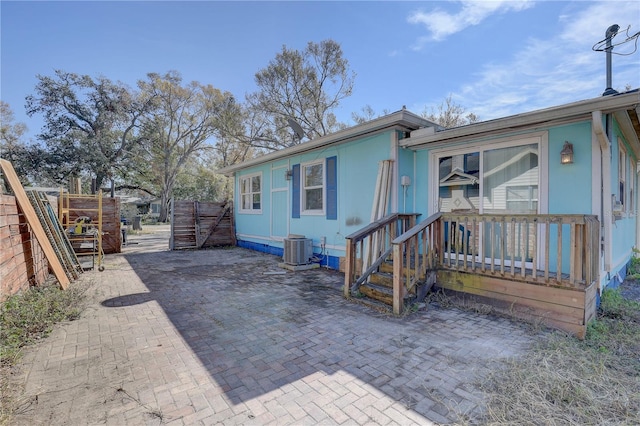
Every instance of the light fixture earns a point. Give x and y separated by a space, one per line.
288 174
566 155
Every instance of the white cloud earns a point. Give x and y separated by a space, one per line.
561 69
441 24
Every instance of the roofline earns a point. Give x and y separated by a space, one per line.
403 118
605 104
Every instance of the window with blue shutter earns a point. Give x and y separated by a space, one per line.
315 189
295 193
332 188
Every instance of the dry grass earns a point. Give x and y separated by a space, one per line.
565 381
24 319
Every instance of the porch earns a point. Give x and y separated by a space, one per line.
541 268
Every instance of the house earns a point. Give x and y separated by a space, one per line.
539 206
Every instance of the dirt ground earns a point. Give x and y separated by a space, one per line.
630 289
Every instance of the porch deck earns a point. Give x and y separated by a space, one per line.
481 257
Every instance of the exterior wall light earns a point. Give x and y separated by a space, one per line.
288 175
566 155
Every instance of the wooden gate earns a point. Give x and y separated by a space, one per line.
196 224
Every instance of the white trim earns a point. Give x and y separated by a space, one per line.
273 169
596 176
394 174
622 174
279 169
316 212
242 210
539 138
607 214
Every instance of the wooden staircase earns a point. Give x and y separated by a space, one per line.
379 287
402 259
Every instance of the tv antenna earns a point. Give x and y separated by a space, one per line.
606 45
297 129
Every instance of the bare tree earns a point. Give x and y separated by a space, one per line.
183 120
449 114
303 86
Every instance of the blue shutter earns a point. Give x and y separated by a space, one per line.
295 192
332 188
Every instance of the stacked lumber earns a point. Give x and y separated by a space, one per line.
32 219
55 233
201 224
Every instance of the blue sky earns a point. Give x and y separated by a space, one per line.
494 58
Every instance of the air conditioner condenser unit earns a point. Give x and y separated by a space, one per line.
298 251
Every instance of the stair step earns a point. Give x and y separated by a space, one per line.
384 279
377 292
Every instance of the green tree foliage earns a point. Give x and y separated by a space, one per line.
183 119
91 124
198 181
305 86
26 158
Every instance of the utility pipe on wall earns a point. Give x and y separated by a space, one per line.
607 205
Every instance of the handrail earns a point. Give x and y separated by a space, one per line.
415 259
372 227
368 247
416 229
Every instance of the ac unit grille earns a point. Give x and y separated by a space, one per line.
298 251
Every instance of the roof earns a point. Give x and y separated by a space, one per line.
626 106
403 120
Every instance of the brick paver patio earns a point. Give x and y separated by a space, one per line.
226 337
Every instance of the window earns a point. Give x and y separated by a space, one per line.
522 199
622 175
250 193
632 180
313 187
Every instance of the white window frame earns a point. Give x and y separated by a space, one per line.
540 138
632 186
622 176
251 193
304 188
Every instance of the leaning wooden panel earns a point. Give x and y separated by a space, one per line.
34 222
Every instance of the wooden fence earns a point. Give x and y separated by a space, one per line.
197 224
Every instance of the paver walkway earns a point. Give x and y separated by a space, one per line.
226 337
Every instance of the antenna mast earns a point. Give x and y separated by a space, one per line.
609 35
607 46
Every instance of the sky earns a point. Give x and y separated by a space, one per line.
495 58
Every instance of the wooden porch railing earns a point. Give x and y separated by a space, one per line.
559 250
550 250
367 248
